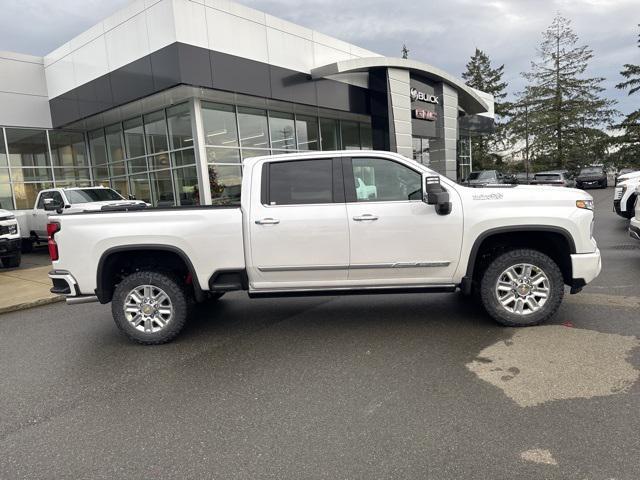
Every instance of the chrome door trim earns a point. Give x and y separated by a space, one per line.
363 266
298 268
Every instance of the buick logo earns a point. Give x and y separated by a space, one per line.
417 96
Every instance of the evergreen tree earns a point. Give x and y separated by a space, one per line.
566 109
629 153
482 76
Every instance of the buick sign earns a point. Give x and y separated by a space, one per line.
422 97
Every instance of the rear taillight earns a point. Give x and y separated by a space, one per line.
52 229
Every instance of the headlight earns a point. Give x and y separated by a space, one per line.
586 204
13 229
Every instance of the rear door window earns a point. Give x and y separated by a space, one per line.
300 182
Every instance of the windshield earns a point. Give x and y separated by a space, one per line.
482 175
591 171
547 176
87 195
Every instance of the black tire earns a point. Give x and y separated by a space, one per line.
501 263
12 262
177 294
26 245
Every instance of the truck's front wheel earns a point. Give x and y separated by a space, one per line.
522 288
150 307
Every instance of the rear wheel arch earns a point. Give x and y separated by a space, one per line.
556 242
143 257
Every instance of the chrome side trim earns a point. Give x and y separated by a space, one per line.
302 268
362 266
400 265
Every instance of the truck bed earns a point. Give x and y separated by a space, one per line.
210 237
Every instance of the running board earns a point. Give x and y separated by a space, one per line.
307 292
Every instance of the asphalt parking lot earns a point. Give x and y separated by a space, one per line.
405 386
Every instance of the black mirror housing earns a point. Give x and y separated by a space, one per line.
436 195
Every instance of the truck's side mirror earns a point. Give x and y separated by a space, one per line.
132 197
436 195
50 205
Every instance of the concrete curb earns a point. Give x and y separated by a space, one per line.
34 303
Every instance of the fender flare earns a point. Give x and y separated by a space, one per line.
103 294
468 278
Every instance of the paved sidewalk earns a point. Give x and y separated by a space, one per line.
22 288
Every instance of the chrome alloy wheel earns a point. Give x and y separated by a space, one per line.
523 289
148 308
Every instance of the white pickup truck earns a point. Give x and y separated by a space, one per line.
33 223
9 240
307 226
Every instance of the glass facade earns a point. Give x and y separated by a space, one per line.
421 150
233 134
152 157
464 160
32 160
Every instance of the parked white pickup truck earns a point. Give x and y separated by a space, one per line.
624 194
9 240
302 228
33 223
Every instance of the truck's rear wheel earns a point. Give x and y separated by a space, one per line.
522 288
150 307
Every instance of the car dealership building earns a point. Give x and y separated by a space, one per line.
166 98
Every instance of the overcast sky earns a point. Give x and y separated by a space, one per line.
441 33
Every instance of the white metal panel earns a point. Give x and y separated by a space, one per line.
236 36
190 23
288 27
323 54
24 110
134 8
289 51
90 61
60 77
85 37
161 26
236 9
22 75
127 42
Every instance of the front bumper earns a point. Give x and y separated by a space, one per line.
634 228
9 247
586 267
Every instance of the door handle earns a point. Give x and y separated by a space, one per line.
268 221
367 217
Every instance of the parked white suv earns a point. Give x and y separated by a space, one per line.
624 194
306 226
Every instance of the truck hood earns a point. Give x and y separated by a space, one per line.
629 176
527 194
5 213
